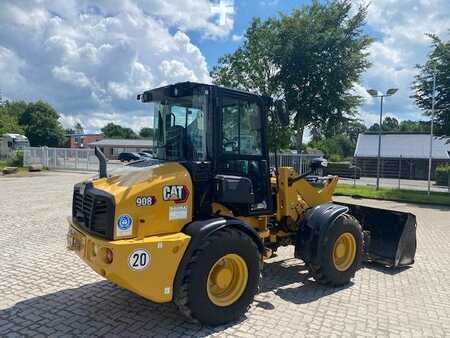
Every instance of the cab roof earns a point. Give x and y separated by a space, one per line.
184 88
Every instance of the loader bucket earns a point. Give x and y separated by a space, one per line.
392 234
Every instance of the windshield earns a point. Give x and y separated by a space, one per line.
180 127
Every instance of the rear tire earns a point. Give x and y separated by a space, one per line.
340 252
200 298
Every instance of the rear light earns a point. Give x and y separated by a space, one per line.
108 256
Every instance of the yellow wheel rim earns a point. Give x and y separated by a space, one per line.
344 251
227 280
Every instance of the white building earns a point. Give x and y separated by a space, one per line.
412 149
113 147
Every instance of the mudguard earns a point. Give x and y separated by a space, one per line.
200 230
389 235
313 228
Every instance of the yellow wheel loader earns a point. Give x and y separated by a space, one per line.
194 224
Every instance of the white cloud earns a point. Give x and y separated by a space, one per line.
370 118
97 120
401 27
194 15
237 38
89 59
269 2
64 74
11 66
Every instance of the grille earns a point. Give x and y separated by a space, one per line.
93 212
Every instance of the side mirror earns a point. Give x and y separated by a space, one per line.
282 113
318 163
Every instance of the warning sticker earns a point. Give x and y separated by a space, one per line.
177 212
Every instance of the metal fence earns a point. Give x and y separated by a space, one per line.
61 158
7 156
397 173
84 159
300 162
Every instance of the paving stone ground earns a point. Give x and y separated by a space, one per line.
47 291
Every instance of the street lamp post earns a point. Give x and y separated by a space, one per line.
375 93
430 158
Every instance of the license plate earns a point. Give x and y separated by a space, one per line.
75 240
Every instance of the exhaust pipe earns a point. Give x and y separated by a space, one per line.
101 163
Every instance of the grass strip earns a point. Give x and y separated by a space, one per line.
410 196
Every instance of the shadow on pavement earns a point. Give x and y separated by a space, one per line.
302 288
433 207
103 308
100 309
385 269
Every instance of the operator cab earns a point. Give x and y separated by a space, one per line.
219 135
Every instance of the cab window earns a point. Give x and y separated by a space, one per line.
241 127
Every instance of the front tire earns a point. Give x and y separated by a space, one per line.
340 252
221 279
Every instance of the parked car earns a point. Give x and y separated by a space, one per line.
145 155
127 157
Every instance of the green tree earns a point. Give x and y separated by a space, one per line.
438 63
321 54
337 147
16 108
353 130
337 140
79 129
310 59
8 123
112 130
146 132
374 127
10 113
348 127
41 125
390 124
415 126
251 67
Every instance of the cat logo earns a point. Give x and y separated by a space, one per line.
177 193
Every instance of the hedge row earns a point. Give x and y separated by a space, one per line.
442 174
16 160
342 169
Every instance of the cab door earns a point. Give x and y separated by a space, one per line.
242 148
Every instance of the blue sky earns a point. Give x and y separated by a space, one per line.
244 12
90 58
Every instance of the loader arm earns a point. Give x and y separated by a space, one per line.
295 197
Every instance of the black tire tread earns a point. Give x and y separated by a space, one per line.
316 270
181 296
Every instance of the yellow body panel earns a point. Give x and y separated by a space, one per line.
150 181
294 199
259 223
158 233
154 282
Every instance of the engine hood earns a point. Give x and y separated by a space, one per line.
149 200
